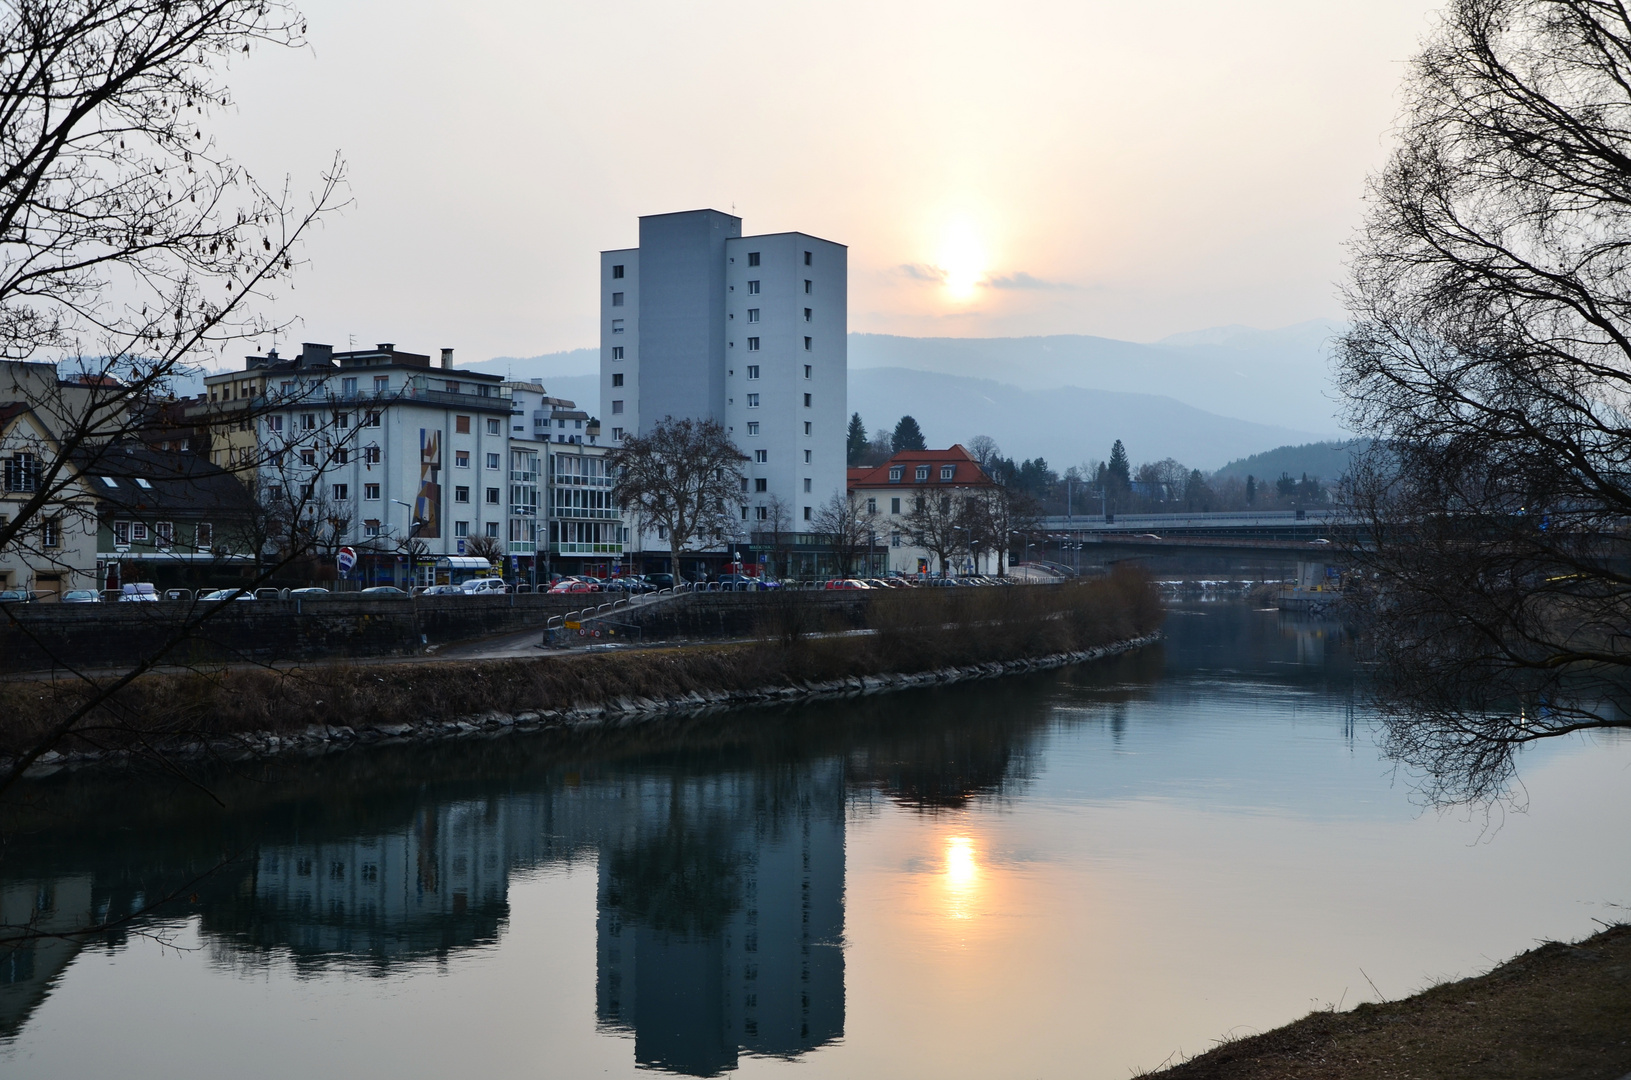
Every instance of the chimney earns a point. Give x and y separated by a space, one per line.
386 346
447 359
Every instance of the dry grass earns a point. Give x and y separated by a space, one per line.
1559 1011
918 631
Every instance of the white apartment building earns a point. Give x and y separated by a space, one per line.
577 528
382 444
702 322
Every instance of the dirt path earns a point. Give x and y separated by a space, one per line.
1556 1012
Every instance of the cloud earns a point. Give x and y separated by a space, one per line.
1019 279
923 272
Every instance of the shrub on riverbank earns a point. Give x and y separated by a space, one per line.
916 631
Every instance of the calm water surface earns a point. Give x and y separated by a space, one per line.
1076 874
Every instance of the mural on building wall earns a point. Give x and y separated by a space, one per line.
427 508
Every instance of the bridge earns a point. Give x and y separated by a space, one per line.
1234 526
1261 543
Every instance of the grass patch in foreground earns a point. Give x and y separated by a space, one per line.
1559 1011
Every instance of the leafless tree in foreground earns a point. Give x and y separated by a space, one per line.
130 245
1490 358
849 527
681 479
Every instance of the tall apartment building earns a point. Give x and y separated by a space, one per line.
702 322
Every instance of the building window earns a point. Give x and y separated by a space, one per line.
807 315
806 427
370 455
753 371
492 461
894 507
461 425
762 513
203 536
495 427
306 493
807 369
617 407
872 506
461 494
761 456
461 528
617 352
947 472
373 419
806 513
492 496
807 485
753 401
348 387
807 344
807 457
382 384
617 326
341 491
806 401
894 539
617 433
753 427
617 299
370 528
807 258
370 491
308 456
308 421
809 286
617 379
753 288
121 532
461 459
753 344
492 529
342 420
617 270
138 531
51 532
753 314
761 484
22 473
452 387
894 473
274 423
753 258
164 534
744 488
342 456
922 472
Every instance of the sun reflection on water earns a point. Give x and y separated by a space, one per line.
961 877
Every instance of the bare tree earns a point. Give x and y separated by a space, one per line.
130 245
995 515
940 522
776 533
1490 358
680 479
985 451
846 524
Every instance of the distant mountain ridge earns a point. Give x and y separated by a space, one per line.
1326 460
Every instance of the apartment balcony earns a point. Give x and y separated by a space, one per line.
523 547
565 548
578 513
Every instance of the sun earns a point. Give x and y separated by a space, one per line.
962 261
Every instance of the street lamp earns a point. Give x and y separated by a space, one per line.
414 524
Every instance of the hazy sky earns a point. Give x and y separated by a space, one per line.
1124 169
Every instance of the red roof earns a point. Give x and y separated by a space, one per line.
966 472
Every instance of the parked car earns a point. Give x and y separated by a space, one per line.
81 596
484 586
382 590
138 592
441 590
570 585
15 596
310 590
847 583
660 581
227 594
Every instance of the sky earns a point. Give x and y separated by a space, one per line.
1087 166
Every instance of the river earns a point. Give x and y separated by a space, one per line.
1075 874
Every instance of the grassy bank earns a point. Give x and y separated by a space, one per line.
1559 1011
915 631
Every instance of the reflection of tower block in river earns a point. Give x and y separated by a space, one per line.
721 919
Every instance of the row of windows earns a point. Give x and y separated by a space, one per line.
761 484
947 472
342 420
163 533
753 344
753 428
753 260
753 314
753 402
753 287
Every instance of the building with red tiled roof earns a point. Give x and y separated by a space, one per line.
890 492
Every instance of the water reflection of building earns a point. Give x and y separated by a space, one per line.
47 908
721 918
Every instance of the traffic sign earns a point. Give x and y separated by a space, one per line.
345 559
574 626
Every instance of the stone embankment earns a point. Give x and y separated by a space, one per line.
617 712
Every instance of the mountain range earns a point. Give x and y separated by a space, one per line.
1204 398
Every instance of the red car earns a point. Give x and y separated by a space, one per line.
570 586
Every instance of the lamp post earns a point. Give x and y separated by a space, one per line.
413 528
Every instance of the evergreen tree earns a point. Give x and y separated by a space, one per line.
1251 490
1120 472
908 436
855 443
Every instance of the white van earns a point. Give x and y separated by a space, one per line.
138 592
